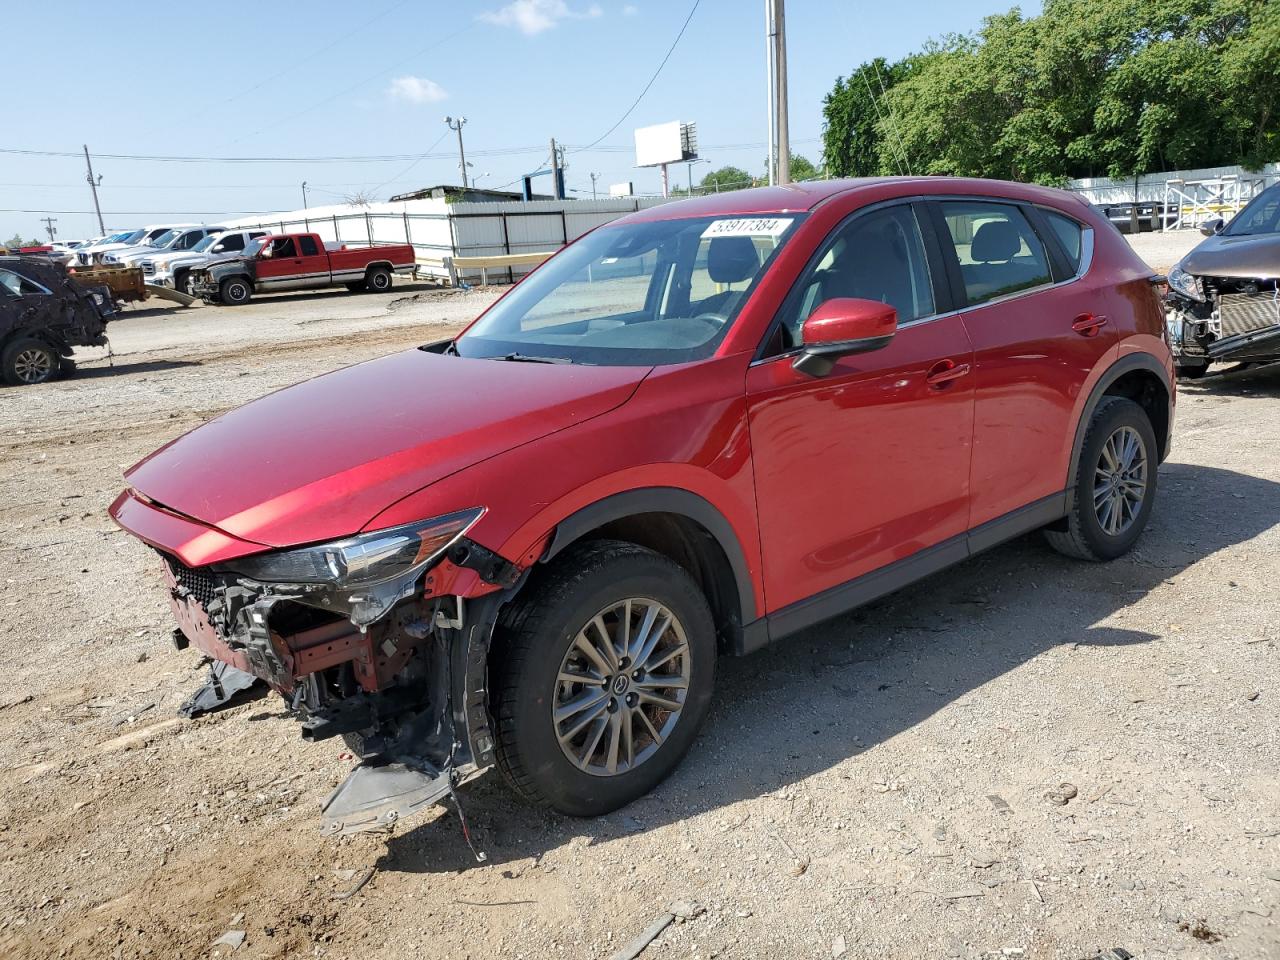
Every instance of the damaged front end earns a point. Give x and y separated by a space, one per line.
364 640
1213 318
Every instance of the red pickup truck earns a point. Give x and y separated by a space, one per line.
299 261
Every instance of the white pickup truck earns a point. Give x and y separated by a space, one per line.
174 269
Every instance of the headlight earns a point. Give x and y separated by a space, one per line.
361 577
1186 284
362 560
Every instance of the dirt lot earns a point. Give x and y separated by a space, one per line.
875 786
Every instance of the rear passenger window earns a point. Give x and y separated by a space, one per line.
308 246
998 251
234 241
1068 233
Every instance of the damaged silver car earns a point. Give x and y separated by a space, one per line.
1224 296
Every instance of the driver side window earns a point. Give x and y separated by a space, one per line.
876 256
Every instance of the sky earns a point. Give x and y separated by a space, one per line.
374 80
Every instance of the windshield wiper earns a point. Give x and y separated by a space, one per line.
526 358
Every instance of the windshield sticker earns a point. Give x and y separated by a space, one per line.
749 227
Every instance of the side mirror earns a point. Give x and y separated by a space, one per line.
1211 228
840 327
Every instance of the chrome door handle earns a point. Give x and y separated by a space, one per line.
944 371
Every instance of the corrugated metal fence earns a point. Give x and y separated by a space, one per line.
439 230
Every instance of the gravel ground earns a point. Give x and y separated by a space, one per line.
879 785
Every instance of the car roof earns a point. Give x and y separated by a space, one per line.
802 197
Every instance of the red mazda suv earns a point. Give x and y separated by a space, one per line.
694 431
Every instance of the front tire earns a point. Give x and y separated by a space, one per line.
604 673
29 361
1115 485
235 291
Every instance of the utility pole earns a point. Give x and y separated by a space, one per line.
594 177
50 228
555 170
304 194
769 49
93 185
456 124
776 62
780 90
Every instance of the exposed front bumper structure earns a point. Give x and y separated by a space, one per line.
408 691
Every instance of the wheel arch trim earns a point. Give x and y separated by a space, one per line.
1129 363
673 500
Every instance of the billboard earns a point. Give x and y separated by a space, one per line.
622 189
673 142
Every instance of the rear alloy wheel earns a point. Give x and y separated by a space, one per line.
605 672
1115 484
235 291
378 280
29 361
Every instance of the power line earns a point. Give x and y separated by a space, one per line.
364 158
670 51
414 164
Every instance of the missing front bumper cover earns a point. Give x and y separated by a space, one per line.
377 797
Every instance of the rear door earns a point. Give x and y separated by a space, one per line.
1039 329
868 465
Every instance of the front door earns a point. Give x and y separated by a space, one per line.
1037 332
870 464
278 265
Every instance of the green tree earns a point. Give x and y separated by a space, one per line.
17 241
802 168
850 136
726 178
1087 88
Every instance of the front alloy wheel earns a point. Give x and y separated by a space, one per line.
602 674
29 361
621 687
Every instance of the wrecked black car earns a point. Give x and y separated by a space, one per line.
1224 296
43 314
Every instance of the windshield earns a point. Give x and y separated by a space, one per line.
206 243
640 293
134 237
115 238
164 239
1261 215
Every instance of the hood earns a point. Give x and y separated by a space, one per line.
320 459
1256 257
222 258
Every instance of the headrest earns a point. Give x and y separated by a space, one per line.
731 259
995 240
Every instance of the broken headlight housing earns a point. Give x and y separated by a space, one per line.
362 576
1187 285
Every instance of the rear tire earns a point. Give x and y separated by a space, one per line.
1115 484
235 291
378 280
1192 371
29 361
601 594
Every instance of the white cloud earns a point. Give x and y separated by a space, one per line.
416 90
630 10
534 16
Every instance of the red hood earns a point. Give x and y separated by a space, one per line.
320 459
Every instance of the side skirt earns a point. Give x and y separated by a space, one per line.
871 586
